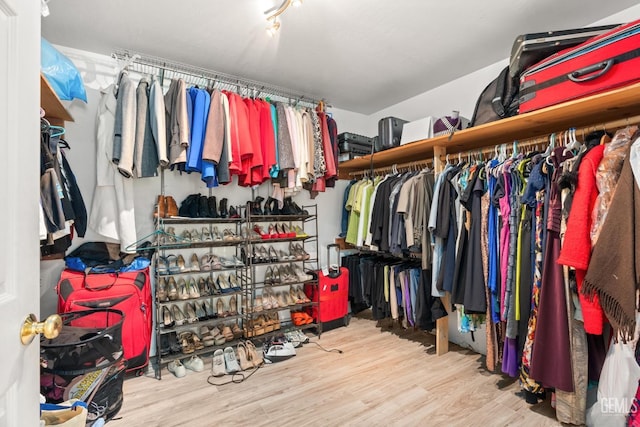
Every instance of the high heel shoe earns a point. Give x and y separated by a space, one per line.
167 318
294 251
193 289
178 315
289 234
203 288
220 308
233 306
301 251
273 233
260 230
280 231
161 290
205 263
299 231
183 291
208 306
223 284
201 312
172 289
185 236
264 255
206 235
190 312
233 282
215 235
273 255
255 356
213 285
268 276
195 264
181 264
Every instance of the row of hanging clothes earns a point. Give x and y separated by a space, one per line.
218 134
541 246
62 210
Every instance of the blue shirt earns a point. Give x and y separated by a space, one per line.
201 100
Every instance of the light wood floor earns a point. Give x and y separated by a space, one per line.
380 379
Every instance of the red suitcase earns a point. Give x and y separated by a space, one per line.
331 293
128 292
602 63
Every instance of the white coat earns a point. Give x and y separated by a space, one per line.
112 210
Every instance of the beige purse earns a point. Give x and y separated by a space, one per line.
72 413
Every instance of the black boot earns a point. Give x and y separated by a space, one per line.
233 213
213 206
267 207
203 207
189 206
224 213
257 203
287 209
273 206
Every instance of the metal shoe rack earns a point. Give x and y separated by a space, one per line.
172 244
262 320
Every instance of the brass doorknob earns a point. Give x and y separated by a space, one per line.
51 328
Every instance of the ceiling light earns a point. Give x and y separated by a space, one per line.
276 11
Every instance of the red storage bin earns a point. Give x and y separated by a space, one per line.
331 292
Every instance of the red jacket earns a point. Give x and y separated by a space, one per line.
576 249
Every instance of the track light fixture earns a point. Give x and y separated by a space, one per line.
273 13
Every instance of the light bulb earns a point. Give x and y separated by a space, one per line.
296 3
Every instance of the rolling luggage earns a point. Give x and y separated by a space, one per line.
389 133
352 143
602 63
531 48
331 293
129 292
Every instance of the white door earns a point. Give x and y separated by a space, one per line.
19 192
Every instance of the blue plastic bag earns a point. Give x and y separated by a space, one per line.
62 75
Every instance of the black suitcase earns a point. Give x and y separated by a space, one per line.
529 49
354 143
389 133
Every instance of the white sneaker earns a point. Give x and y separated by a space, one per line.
230 361
301 336
177 369
217 366
194 363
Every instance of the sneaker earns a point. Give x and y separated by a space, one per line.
301 336
230 361
217 365
177 369
194 363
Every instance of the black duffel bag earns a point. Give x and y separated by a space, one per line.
498 100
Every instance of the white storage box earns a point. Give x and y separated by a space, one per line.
417 130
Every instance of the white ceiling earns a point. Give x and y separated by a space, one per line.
361 55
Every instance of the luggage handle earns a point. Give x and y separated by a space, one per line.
580 76
99 288
333 272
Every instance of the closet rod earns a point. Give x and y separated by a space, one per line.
610 126
162 64
399 167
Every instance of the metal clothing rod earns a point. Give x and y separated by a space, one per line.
206 76
398 167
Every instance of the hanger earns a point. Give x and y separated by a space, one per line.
514 154
58 131
64 144
573 143
447 159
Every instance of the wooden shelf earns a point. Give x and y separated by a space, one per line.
593 110
55 112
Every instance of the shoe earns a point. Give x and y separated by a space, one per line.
177 369
223 212
282 301
302 296
300 249
195 264
201 312
189 206
273 255
260 230
203 207
268 276
237 332
173 342
257 206
228 333
181 264
243 357
172 289
237 262
172 264
205 335
218 363
233 306
233 213
165 347
219 339
216 263
193 289
161 290
254 355
223 283
208 307
206 235
190 312
299 231
273 232
195 236
301 275
178 315
215 235
257 304
220 308
183 291
167 318
229 235
172 207
213 285
197 342
230 361
187 342
185 236
213 207
160 208
194 363
233 282
203 288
